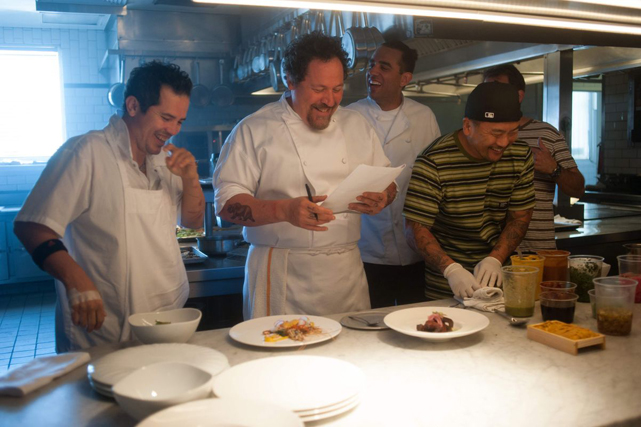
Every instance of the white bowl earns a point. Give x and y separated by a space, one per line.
179 325
161 385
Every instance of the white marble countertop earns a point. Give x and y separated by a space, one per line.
496 377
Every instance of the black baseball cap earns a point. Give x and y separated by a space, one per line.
494 102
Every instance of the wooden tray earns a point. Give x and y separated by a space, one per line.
562 343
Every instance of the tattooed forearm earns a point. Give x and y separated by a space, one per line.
421 239
391 191
512 235
240 212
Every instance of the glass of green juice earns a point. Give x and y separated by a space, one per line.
519 287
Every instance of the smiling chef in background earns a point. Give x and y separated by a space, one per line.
395 272
114 196
303 258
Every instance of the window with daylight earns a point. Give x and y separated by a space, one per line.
586 124
31 106
586 128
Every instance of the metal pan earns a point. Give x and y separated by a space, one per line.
200 94
221 95
275 75
116 94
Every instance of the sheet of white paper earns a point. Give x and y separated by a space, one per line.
363 178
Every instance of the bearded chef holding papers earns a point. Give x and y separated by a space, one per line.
297 263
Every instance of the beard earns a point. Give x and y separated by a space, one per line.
319 122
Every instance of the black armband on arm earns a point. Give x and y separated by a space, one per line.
42 252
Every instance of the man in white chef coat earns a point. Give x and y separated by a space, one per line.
303 258
395 272
115 196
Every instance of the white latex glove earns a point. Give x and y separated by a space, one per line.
488 272
461 281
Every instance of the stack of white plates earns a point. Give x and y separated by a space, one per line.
313 387
223 413
108 370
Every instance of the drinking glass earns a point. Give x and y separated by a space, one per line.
533 261
630 267
556 264
519 286
583 270
614 304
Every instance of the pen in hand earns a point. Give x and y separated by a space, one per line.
309 196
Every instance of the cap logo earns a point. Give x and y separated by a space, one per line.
489 115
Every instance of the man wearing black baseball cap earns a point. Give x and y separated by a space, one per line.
471 196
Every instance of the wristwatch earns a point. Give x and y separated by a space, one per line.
556 172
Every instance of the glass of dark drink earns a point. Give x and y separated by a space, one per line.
558 305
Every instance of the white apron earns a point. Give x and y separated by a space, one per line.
304 281
322 279
156 278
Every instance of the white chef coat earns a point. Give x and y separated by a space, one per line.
412 130
82 196
271 155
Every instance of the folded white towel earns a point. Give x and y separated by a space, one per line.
39 372
558 219
484 299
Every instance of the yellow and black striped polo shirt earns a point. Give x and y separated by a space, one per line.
464 201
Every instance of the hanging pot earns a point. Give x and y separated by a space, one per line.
116 94
355 43
271 50
258 59
293 35
275 76
243 70
319 22
200 94
336 27
221 95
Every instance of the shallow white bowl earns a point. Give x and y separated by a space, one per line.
161 385
183 324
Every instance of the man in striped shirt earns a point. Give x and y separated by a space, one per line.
471 196
553 164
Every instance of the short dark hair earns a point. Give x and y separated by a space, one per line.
305 49
513 75
408 57
146 80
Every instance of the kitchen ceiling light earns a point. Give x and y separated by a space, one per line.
631 4
419 10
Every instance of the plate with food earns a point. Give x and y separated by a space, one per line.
288 330
188 234
436 323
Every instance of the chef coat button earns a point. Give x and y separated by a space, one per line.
344 160
408 140
305 163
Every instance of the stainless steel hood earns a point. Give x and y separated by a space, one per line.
448 56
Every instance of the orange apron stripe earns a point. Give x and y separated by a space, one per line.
269 281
